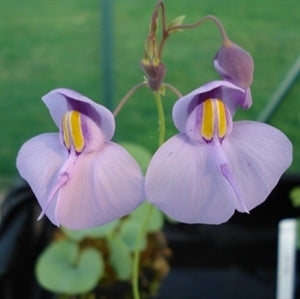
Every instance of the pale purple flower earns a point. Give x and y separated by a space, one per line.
80 178
236 65
215 166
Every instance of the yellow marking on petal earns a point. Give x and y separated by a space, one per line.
222 123
66 131
76 130
207 128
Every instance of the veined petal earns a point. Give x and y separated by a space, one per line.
61 100
39 161
232 95
258 154
103 186
235 64
184 180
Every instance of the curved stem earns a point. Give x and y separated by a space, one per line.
226 40
127 96
173 89
136 257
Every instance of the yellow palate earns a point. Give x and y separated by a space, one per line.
213 117
207 128
222 125
72 130
66 131
76 131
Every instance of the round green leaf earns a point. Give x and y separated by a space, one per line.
120 258
96 232
140 154
63 269
156 220
75 235
129 232
102 230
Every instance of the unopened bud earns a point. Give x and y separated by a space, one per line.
155 74
235 64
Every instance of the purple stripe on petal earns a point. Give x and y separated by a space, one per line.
84 108
62 100
232 95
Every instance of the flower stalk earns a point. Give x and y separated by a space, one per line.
136 258
226 40
127 97
136 255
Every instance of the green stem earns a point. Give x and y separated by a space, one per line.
136 257
161 118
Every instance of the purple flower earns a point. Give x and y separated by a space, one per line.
215 166
236 65
80 178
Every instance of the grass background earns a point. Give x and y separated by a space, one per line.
58 43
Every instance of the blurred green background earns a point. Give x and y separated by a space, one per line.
58 43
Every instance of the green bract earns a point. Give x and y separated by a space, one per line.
176 22
62 268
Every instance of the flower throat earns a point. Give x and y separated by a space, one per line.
72 131
214 120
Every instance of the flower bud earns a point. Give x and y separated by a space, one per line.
155 73
234 64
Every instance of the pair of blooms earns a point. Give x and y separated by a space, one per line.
211 168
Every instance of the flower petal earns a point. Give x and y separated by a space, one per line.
184 181
38 162
235 64
102 187
61 100
258 154
229 93
248 99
